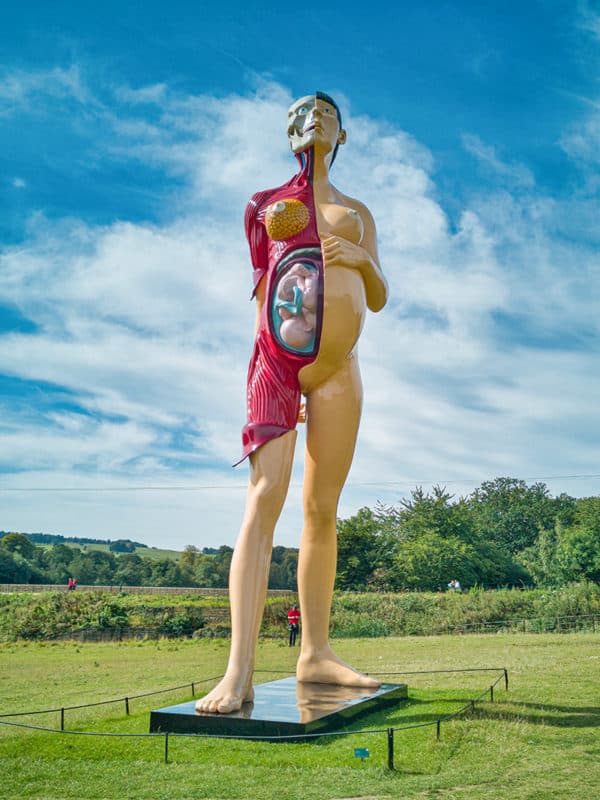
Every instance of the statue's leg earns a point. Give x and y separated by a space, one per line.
333 415
270 469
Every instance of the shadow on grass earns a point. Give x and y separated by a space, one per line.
411 712
416 711
550 714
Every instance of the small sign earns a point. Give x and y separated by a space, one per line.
361 752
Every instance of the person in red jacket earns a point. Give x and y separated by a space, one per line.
293 623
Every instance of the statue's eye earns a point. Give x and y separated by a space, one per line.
327 110
302 110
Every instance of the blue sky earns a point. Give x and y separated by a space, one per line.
130 140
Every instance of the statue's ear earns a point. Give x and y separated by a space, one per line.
341 139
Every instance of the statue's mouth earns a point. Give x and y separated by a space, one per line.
312 127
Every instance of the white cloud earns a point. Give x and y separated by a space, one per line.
148 327
582 141
146 95
23 88
513 174
589 19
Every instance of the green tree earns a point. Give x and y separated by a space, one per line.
578 554
366 545
567 552
132 570
540 559
509 513
284 567
434 528
190 558
434 511
189 562
429 561
166 572
94 568
587 514
9 568
213 570
59 558
18 569
18 543
122 546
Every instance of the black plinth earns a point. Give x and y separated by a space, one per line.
282 708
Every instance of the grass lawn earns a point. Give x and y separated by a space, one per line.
539 740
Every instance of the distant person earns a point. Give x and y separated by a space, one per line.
70 585
293 623
454 585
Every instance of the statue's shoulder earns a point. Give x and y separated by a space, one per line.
260 200
257 202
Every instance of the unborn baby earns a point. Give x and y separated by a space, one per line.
296 304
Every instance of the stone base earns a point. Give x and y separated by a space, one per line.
282 708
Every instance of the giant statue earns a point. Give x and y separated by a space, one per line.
316 271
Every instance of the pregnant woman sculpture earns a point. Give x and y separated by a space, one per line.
316 271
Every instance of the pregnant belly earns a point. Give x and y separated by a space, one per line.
344 312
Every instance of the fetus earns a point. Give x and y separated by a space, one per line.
296 305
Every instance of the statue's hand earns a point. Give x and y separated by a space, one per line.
338 252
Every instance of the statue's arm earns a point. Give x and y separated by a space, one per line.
364 258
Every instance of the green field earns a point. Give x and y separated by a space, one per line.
539 740
155 553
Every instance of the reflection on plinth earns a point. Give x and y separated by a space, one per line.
282 708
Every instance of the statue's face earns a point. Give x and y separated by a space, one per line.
313 122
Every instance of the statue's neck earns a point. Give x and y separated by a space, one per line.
314 170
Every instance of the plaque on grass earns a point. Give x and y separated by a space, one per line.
282 708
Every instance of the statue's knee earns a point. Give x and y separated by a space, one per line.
267 494
319 516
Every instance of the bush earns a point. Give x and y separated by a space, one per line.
355 626
55 614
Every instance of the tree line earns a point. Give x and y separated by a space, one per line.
22 561
505 533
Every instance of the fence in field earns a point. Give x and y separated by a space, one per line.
177 590
501 675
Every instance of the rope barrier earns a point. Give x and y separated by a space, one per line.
116 700
389 731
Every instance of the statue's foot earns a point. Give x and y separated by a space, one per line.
227 696
326 667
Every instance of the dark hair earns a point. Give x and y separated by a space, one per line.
328 99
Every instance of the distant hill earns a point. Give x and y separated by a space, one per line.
56 538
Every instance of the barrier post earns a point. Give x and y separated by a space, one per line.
491 694
62 719
506 679
390 743
127 706
193 690
438 728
